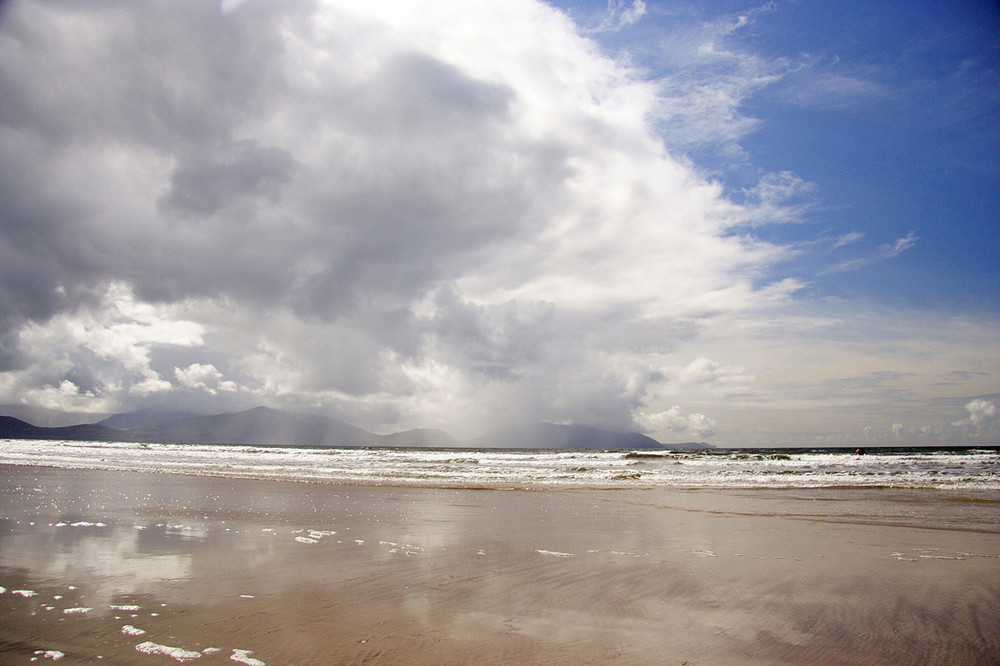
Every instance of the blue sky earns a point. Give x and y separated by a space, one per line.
888 110
748 223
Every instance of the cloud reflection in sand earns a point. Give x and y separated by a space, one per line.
116 560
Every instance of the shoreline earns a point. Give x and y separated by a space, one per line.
291 573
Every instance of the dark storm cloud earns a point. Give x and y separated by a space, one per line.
205 183
83 81
406 168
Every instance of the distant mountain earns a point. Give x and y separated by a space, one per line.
260 425
144 419
255 426
49 418
12 428
553 436
420 437
688 445
264 426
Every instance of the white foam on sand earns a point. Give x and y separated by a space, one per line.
404 548
314 535
180 654
24 593
129 630
553 553
77 610
703 552
243 657
54 655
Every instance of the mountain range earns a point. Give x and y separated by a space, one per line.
263 426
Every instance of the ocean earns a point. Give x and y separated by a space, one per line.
973 469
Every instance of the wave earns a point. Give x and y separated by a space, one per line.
967 469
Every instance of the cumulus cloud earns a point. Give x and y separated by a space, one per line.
673 422
68 396
204 377
372 208
99 353
981 412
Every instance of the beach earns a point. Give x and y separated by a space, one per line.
117 567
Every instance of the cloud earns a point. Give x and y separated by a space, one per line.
981 412
673 422
204 377
778 198
100 354
814 86
704 77
900 246
359 206
848 238
67 396
402 214
885 252
981 427
621 14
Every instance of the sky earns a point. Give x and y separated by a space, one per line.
745 223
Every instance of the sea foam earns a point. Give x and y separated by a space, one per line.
243 657
180 654
947 469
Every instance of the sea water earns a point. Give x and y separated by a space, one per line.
943 468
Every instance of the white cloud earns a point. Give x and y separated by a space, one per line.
670 424
885 252
621 14
703 81
811 86
67 396
848 238
97 355
981 412
900 246
778 197
204 377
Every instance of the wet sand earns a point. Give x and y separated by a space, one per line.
237 571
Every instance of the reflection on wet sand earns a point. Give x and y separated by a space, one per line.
136 568
121 558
